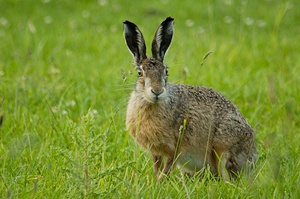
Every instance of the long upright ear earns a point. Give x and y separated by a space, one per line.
135 41
162 39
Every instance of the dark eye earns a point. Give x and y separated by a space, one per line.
167 73
140 73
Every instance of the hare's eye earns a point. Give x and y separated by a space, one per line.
140 73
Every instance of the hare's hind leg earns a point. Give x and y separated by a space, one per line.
227 163
231 162
242 157
221 163
234 140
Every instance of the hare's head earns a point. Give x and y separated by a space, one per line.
152 72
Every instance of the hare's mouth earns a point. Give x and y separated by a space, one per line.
155 97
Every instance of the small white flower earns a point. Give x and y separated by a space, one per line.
100 29
113 28
102 2
64 112
290 5
189 23
228 2
68 52
228 19
48 20
54 71
54 109
95 112
249 21
71 103
73 24
261 23
201 30
31 27
86 14
3 21
45 1
164 2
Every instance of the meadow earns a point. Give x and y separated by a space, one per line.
66 76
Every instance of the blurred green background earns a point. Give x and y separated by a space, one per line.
66 75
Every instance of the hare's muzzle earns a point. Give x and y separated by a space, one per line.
156 93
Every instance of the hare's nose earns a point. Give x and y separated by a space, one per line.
157 92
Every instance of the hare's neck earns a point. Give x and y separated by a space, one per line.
141 108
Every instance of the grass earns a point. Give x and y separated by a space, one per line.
63 96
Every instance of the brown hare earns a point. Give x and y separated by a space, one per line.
190 126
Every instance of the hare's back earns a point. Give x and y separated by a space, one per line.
202 96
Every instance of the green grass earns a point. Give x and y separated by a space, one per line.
63 98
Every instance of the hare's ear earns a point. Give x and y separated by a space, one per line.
135 41
162 39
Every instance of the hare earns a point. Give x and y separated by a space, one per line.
189 126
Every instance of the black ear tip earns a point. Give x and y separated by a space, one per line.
126 22
169 18
129 24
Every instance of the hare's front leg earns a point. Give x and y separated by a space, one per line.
167 167
157 160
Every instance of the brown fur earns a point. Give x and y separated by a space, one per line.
215 133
